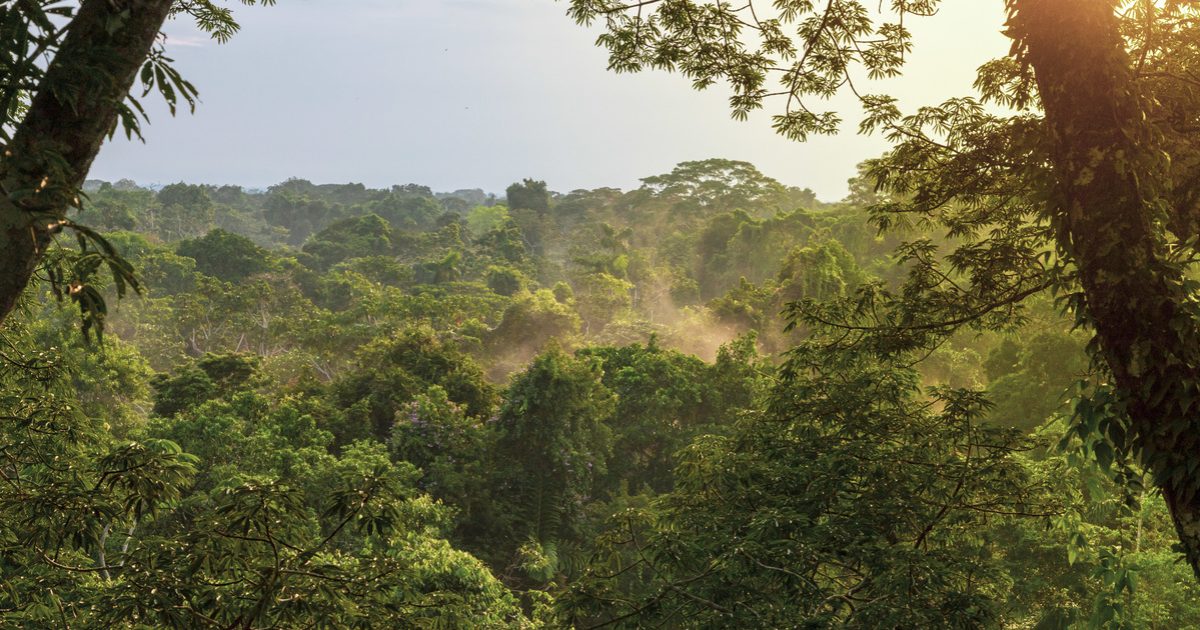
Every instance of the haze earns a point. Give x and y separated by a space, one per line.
481 93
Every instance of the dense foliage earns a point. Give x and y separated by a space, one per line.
1072 173
709 402
412 415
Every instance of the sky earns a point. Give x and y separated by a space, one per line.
481 93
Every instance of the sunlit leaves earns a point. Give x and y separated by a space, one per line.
74 274
797 50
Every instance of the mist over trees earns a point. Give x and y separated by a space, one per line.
633 427
963 396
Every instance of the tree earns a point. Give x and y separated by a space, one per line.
394 370
506 242
190 197
276 531
552 444
300 215
451 449
182 211
411 207
718 185
529 195
1088 188
483 219
504 280
353 237
664 400
600 298
54 117
851 501
212 376
226 256
529 323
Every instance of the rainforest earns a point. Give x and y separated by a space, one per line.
963 395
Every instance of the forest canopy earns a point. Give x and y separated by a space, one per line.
1083 186
632 427
962 396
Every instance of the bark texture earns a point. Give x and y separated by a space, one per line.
1109 213
70 116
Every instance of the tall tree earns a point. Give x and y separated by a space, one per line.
552 444
529 194
1088 189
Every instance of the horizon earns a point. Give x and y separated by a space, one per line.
92 183
462 94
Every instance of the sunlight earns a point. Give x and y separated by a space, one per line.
463 315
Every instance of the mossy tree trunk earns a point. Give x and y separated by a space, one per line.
1110 208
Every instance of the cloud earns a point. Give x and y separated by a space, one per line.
186 41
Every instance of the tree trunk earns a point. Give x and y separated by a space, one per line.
73 111
1108 212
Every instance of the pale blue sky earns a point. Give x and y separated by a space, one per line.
481 93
